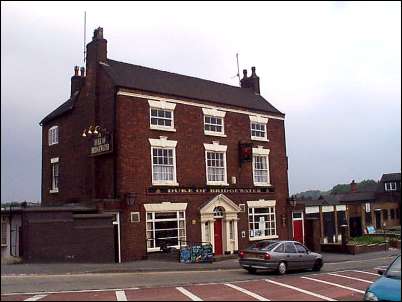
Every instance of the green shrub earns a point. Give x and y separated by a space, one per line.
364 240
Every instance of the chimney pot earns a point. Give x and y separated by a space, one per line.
75 70
245 73
253 70
98 34
82 71
353 186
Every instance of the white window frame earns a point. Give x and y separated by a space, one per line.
390 186
215 147
53 135
254 204
53 162
165 106
260 151
153 220
256 119
163 143
214 114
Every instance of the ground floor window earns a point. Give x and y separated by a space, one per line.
341 218
3 234
261 222
165 229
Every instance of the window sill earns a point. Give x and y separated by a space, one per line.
4 245
54 191
158 249
160 128
165 184
210 133
261 139
262 237
217 183
260 184
53 144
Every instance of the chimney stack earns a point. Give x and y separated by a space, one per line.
252 81
96 52
353 186
76 81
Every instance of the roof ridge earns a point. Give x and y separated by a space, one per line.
182 75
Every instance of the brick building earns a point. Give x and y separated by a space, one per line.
174 158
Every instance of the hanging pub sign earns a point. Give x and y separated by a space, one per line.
245 151
102 144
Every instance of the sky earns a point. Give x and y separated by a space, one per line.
334 69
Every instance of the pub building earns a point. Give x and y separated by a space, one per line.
175 159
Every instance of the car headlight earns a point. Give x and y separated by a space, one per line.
369 296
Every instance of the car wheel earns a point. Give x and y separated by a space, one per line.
251 270
282 268
317 265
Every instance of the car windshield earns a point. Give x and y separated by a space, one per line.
264 245
394 271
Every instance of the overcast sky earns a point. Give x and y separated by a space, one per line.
334 69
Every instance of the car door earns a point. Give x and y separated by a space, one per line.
304 259
291 255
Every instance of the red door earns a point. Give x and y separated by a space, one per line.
218 236
298 230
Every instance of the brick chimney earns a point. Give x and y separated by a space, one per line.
353 186
96 52
76 81
252 81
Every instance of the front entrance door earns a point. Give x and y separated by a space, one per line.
218 236
377 219
298 227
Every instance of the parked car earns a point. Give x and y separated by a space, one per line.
280 256
388 286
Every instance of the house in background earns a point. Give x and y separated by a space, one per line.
319 221
175 159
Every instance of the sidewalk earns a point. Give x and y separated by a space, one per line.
158 265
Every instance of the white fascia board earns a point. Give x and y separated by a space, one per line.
162 104
327 209
215 147
262 203
341 207
311 210
258 119
190 103
260 151
213 112
162 142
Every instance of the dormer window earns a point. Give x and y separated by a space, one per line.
390 186
258 128
161 115
53 135
214 122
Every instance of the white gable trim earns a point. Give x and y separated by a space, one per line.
220 200
165 206
163 142
144 96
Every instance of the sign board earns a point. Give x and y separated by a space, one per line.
102 144
196 253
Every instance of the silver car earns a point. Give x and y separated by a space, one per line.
280 256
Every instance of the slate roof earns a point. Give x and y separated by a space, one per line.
342 198
390 177
173 84
63 108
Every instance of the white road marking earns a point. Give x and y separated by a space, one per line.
364 272
247 292
121 295
301 290
73 291
335 284
188 294
348 277
35 298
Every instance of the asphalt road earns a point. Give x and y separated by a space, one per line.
53 283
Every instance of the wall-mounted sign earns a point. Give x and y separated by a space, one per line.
102 144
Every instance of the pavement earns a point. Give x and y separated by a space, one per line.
158 265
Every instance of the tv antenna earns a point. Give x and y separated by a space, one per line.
85 34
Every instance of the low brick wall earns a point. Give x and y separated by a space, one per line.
354 249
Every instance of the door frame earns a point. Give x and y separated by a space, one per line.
117 222
296 219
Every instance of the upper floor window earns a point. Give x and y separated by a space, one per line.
163 154
215 159
161 115
214 122
261 167
258 128
390 186
53 135
54 164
